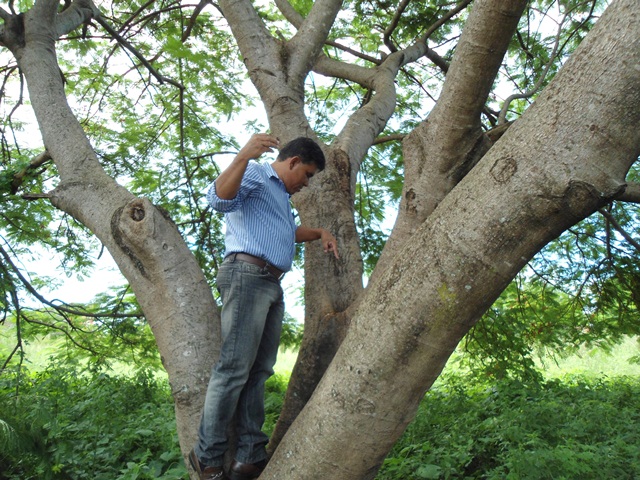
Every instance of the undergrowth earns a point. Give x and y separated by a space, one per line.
574 428
60 424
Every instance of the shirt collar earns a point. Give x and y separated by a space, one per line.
273 174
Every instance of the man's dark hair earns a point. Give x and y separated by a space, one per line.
305 148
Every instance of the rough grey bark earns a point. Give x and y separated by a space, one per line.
565 158
445 146
144 242
451 149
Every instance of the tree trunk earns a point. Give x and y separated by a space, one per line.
565 158
146 245
330 293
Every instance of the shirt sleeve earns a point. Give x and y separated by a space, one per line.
252 182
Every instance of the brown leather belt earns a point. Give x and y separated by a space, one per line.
245 257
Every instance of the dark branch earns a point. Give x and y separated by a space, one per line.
393 25
194 17
631 194
61 309
161 79
616 225
34 164
444 19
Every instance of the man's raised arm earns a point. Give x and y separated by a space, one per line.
228 183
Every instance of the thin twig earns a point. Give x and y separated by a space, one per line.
161 79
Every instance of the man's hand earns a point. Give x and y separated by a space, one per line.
258 144
228 182
329 243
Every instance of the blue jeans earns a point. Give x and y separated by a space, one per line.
252 312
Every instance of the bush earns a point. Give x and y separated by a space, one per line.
574 429
60 424
66 425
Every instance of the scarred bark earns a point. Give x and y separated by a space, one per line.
443 148
326 324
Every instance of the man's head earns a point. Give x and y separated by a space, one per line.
297 162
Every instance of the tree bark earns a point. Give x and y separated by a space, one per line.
444 147
566 157
145 244
489 30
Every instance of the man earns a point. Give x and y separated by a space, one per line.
259 249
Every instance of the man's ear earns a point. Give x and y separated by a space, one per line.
293 161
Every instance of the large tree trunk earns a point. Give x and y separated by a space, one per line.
146 245
565 158
332 291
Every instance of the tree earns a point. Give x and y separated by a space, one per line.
476 203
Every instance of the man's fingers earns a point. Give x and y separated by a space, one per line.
331 246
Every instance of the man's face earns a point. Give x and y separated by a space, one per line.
298 175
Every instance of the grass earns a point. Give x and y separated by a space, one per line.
592 362
286 361
588 361
596 362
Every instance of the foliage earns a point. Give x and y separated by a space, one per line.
66 424
275 390
61 423
84 333
291 335
583 289
569 429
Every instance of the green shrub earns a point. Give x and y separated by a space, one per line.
275 390
571 429
92 426
60 424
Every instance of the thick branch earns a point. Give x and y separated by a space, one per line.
334 68
255 43
78 13
290 13
631 194
450 142
307 43
5 16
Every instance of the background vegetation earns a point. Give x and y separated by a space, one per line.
65 416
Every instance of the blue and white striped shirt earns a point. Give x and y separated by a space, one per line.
259 219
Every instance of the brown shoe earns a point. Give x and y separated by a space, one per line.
204 472
246 471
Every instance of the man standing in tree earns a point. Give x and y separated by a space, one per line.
259 249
